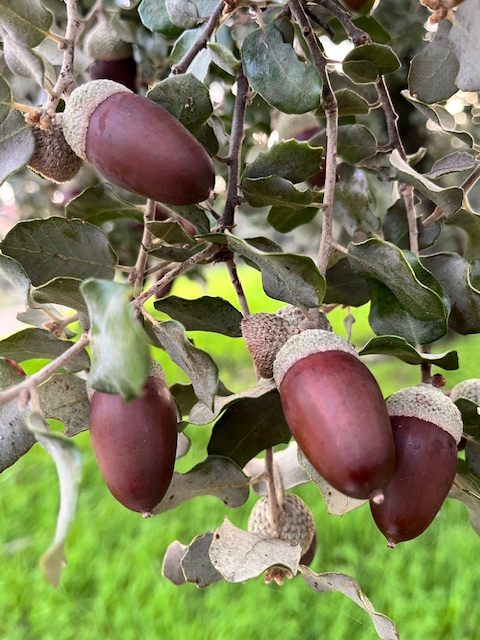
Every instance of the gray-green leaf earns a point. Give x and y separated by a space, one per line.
120 353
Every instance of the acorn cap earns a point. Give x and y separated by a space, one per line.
469 389
53 158
295 524
305 344
298 320
103 43
264 335
79 108
427 403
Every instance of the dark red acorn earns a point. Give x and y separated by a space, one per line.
360 6
136 144
336 412
123 71
426 427
135 444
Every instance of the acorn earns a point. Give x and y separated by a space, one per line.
468 389
264 334
426 427
335 411
295 523
53 158
360 6
123 71
136 144
135 444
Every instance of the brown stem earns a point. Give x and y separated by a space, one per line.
426 367
208 252
331 112
407 194
391 117
242 299
227 220
65 81
138 273
356 35
45 373
201 41
406 191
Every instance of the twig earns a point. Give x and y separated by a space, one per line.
137 275
234 152
391 117
274 508
201 41
426 367
65 80
340 248
242 299
57 327
45 373
208 252
331 112
356 35
406 191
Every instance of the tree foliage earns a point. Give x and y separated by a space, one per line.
344 175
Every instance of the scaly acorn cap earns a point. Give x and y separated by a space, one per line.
297 319
295 523
304 344
427 403
103 43
469 389
264 334
79 108
53 158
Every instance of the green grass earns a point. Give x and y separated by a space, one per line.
112 587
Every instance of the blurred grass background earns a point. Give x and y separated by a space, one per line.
112 587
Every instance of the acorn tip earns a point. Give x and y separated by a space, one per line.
377 496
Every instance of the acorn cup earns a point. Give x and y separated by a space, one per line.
335 411
53 158
136 144
295 523
103 43
468 389
135 443
113 58
426 427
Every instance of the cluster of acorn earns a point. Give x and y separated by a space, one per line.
401 454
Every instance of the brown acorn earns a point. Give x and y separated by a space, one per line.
53 158
136 144
122 71
426 427
360 6
135 444
335 411
295 523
